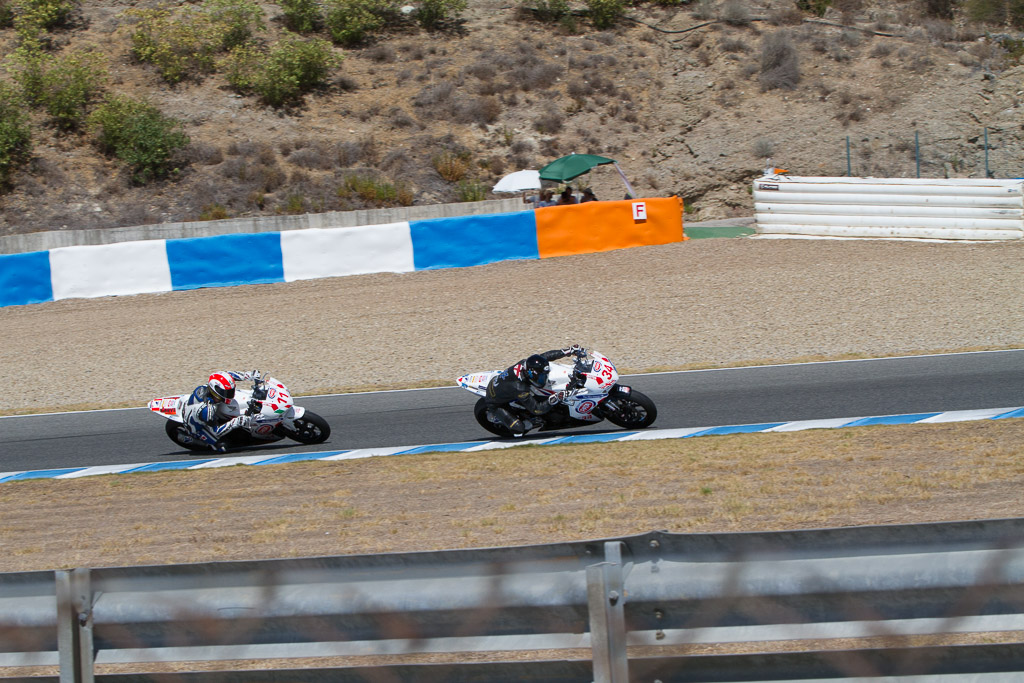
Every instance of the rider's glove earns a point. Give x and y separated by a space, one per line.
256 376
255 406
556 398
574 350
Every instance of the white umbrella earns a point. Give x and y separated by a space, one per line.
520 181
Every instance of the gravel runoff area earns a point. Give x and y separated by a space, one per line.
700 302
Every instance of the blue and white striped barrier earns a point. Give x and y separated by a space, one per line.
474 446
145 267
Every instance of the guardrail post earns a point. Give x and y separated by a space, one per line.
74 626
605 599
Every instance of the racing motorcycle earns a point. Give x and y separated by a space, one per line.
274 416
586 392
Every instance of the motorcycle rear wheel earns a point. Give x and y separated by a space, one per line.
480 413
175 432
636 411
309 429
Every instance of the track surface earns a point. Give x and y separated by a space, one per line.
700 398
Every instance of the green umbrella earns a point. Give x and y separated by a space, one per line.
568 167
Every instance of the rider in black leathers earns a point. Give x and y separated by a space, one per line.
524 383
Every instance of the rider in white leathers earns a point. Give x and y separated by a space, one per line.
212 410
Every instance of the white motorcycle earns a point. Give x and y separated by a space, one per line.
584 393
273 416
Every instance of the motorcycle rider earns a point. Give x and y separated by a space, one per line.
212 410
524 383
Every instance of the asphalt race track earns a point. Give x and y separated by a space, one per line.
702 398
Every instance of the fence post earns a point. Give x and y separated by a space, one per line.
74 626
988 173
917 153
848 172
605 599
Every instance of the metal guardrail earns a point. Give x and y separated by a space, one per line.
657 590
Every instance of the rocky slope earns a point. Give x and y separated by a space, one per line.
679 95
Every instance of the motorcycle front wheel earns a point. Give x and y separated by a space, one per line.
309 429
635 411
176 432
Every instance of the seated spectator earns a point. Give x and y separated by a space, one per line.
566 197
588 196
543 199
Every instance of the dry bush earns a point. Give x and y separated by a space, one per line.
483 69
850 39
523 147
435 96
735 12
480 110
350 153
788 15
579 88
939 30
882 49
197 152
780 62
733 44
539 76
550 121
399 118
317 156
382 54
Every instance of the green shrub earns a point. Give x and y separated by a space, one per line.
605 13
471 191
432 13
232 22
815 7
27 67
214 212
64 85
302 16
292 67
70 84
6 14
15 135
996 11
551 10
31 18
184 43
376 191
350 21
451 166
138 134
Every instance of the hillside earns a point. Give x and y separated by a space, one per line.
681 96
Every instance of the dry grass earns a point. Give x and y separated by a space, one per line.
820 478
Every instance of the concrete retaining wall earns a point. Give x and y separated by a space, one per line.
147 266
42 241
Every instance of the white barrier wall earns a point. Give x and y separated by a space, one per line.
953 208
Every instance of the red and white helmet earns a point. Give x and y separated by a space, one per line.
221 387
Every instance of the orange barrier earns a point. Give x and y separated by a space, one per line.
604 226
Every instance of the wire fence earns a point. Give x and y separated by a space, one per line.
987 153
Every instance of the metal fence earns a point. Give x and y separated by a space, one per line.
636 607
